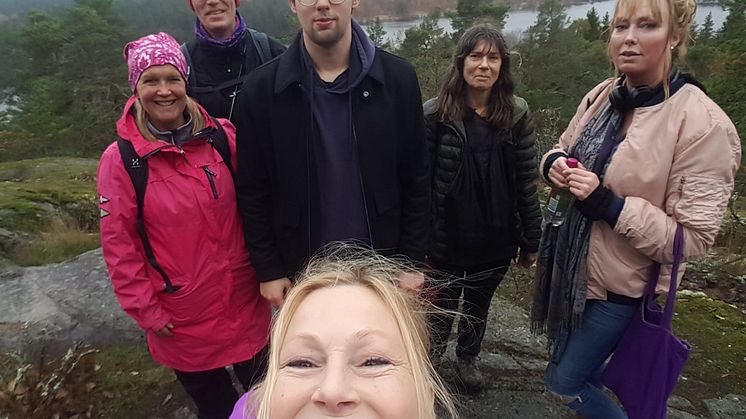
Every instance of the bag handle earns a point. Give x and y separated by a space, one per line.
678 250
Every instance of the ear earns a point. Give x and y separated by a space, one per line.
355 4
675 40
293 6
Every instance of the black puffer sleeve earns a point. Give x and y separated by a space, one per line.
526 166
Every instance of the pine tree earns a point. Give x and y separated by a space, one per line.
470 12
71 77
377 34
734 26
593 33
606 27
559 67
706 33
429 49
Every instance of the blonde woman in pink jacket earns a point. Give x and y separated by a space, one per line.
194 293
655 151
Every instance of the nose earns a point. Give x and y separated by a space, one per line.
336 393
322 4
163 89
631 37
484 62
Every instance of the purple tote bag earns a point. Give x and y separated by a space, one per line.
649 359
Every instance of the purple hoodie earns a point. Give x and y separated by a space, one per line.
240 407
342 211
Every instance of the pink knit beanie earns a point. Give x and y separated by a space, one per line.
153 50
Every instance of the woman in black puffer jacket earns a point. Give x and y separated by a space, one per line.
485 206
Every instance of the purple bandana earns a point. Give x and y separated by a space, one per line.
232 40
153 50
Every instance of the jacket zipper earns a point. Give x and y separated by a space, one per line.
309 144
211 178
362 186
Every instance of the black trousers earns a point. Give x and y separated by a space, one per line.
212 390
477 287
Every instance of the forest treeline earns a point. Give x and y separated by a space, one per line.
63 74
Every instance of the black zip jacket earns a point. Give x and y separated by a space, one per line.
213 66
445 142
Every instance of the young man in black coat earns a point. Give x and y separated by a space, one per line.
222 55
331 146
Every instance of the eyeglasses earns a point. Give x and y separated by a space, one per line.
309 3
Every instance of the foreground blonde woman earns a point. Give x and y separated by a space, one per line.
348 342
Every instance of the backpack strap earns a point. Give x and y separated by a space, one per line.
219 141
261 43
137 169
190 77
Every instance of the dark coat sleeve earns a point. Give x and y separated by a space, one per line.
414 174
526 174
253 182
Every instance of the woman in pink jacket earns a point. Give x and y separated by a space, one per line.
181 270
654 152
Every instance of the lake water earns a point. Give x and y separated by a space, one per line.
519 21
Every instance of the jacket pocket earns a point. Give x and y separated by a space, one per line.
701 202
194 302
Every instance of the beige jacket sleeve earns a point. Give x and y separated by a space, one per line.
699 186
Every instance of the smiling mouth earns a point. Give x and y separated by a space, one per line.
166 103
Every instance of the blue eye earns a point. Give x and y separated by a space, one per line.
376 362
300 363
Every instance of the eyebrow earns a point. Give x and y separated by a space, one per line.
359 335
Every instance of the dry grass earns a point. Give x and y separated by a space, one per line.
62 241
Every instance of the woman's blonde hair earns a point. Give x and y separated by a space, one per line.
141 118
681 15
346 265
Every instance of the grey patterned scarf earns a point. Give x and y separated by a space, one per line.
561 282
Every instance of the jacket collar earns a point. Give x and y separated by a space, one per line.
127 130
431 107
290 68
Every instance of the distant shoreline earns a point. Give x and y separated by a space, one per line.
367 20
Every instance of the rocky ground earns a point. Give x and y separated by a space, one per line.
47 309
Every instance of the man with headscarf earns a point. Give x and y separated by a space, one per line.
222 54
331 147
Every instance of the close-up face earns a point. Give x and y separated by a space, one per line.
641 41
218 17
162 94
343 356
324 22
482 66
